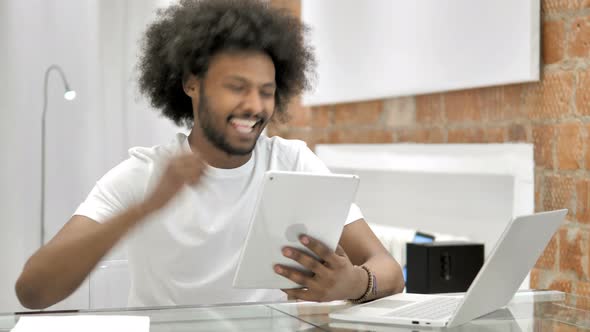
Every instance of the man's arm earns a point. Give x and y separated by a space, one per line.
58 268
364 248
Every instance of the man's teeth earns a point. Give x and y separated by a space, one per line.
243 125
244 122
244 130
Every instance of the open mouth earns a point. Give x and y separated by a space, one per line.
244 126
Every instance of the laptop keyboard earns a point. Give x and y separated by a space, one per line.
387 304
435 308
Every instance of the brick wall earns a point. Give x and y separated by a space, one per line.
553 114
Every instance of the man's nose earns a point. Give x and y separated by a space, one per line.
254 102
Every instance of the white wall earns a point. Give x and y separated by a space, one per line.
374 49
470 190
92 40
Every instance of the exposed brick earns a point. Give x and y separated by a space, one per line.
495 135
547 259
365 113
543 137
466 135
583 289
360 136
561 284
557 326
463 106
399 112
433 135
572 253
579 41
553 41
494 103
513 94
506 103
583 201
539 183
583 295
583 93
299 116
543 325
517 133
558 193
569 146
535 281
556 6
502 103
550 98
429 109
320 116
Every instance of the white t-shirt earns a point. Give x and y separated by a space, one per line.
187 252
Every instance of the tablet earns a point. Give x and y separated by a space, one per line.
291 204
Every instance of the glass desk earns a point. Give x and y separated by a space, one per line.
526 312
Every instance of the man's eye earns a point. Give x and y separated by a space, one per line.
267 94
236 88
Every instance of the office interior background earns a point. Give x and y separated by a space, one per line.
95 42
551 114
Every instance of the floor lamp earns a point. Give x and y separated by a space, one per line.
69 94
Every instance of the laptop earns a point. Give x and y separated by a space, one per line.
499 320
515 253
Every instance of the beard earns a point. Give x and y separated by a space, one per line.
211 129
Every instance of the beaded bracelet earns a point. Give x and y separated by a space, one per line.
371 287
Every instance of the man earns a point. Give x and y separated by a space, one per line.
226 68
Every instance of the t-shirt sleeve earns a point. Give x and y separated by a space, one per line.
118 189
310 162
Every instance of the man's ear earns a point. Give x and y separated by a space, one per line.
191 86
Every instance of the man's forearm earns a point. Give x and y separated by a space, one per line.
57 269
388 275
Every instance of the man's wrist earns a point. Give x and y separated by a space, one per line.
140 211
361 285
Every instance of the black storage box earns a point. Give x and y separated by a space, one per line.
442 267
